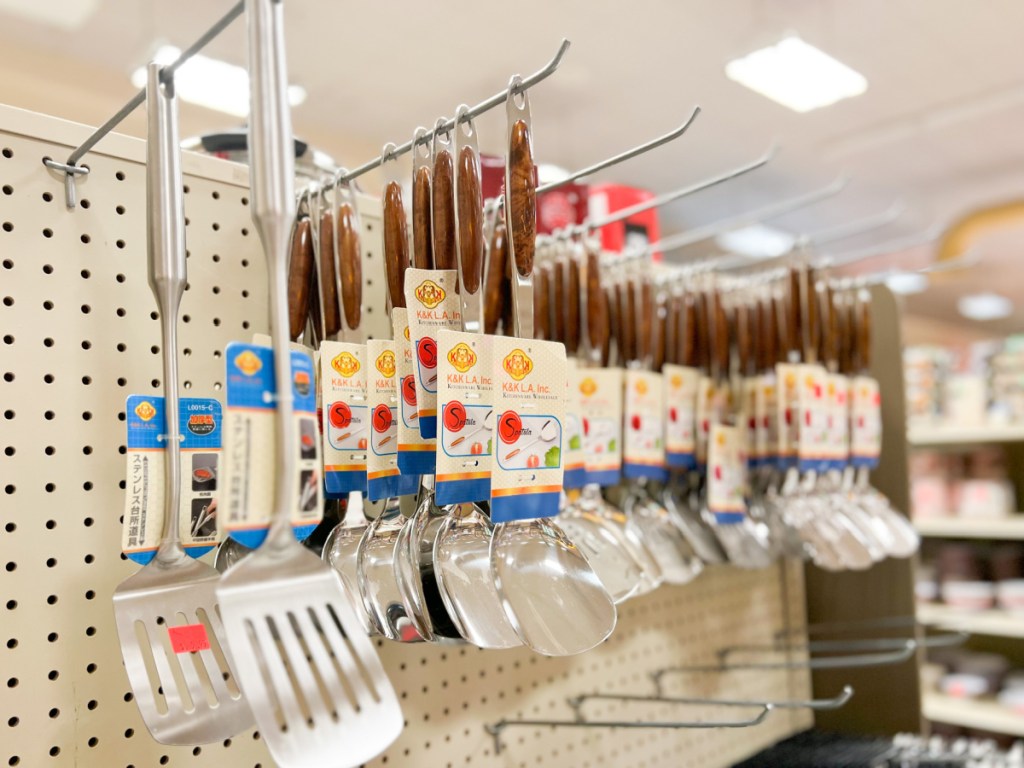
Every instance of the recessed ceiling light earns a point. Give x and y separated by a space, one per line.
757 241
797 75
907 282
211 83
66 14
984 306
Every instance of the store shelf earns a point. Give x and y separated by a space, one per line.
995 623
986 715
973 528
935 436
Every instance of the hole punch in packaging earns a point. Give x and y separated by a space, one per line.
601 394
575 457
465 397
432 299
346 417
644 432
201 429
250 447
680 416
530 378
415 453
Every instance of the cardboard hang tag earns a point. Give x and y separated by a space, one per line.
766 414
575 458
812 421
787 413
382 404
530 379
200 426
345 417
465 398
865 422
727 474
250 446
432 305
415 452
601 393
681 384
644 432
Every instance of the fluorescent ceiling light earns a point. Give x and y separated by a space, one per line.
984 306
796 75
907 283
211 83
65 14
757 241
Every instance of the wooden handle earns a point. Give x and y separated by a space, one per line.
744 342
812 307
350 258
521 198
702 337
541 302
300 273
332 312
396 243
422 233
689 330
559 305
597 304
864 332
720 342
834 327
443 223
793 314
497 277
507 307
471 220
626 316
572 308
609 323
645 329
659 334
769 341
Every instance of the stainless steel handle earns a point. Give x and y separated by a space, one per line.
165 242
272 173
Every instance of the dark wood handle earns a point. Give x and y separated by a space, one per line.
744 342
422 233
300 273
793 340
597 304
609 323
670 340
471 220
572 306
833 325
396 243
627 321
559 305
769 337
542 303
350 258
507 305
521 198
497 277
721 340
443 224
645 329
864 332
702 339
813 320
332 312
689 333
660 334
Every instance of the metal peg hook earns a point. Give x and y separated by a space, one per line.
835 702
496 729
867 644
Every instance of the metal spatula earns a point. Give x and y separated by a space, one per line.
166 613
316 687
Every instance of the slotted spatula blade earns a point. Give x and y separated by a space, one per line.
312 677
185 697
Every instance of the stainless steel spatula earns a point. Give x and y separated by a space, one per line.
312 677
166 613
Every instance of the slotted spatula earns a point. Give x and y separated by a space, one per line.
316 687
166 614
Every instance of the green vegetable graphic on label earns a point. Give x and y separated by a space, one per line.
611 446
575 443
553 457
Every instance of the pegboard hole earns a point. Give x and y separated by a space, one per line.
49 450
8 339
216 258
8 152
187 352
15 760
47 342
89 560
12 604
47 305
53 675
8 301
187 384
164 759
86 415
48 378
13 722
120 210
119 175
88 522
8 414
8 264
8 227
8 189
11 567
121 347
47 269
48 415
90 668
12 643
129 732
86 309
87 380
11 527
93 741
245 232
51 524
120 243
86 344
216 227
85 238
51 562
119 277
47 197
12 682
92 704
8 377
51 600
47 232
54 751
87 485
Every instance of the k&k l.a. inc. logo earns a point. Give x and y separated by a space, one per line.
346 364
430 294
517 364
145 410
462 357
386 363
588 386
248 362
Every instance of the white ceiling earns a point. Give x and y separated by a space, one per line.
941 126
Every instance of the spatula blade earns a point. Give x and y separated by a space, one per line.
318 692
185 697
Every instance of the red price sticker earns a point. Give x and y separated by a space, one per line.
427 351
189 638
454 416
510 427
381 418
340 415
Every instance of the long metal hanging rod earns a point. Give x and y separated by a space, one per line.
930 235
770 211
854 228
816 704
496 729
449 123
964 260
669 197
70 168
865 644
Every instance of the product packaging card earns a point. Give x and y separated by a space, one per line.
812 430
382 405
866 422
644 431
748 387
345 417
788 418
200 428
714 404
766 413
681 383
727 474
465 398
530 379
250 447
601 393
838 421
415 452
574 455
433 306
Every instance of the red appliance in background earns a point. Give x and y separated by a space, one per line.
555 209
635 231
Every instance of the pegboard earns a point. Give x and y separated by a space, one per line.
80 333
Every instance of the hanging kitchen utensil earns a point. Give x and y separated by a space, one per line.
172 640
551 595
316 687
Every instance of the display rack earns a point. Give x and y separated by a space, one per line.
1007 528
994 623
923 436
80 334
972 713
